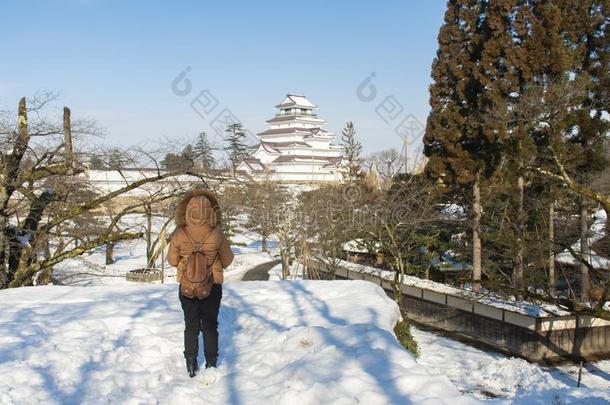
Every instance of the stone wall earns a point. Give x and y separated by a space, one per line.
539 339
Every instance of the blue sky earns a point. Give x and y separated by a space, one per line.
115 61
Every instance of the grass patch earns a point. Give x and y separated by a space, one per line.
402 330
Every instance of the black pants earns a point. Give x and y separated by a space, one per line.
202 315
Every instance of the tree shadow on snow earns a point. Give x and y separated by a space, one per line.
378 366
75 392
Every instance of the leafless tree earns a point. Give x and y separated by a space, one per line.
545 109
44 193
387 161
401 225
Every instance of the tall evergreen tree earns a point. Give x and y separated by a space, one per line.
188 156
203 152
586 25
352 149
184 160
236 147
117 159
461 149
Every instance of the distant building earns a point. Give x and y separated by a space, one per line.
295 148
106 181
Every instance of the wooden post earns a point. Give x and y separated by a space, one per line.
109 253
68 149
149 253
162 236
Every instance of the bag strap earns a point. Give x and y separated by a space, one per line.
198 248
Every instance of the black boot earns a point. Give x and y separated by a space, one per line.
192 366
210 363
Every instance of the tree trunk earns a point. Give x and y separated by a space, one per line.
552 276
264 246
518 266
584 252
19 238
109 253
285 257
47 249
10 172
3 254
476 234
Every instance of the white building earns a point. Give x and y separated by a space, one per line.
108 181
295 148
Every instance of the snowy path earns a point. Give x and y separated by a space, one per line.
260 272
281 342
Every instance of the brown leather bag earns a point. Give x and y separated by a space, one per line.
197 278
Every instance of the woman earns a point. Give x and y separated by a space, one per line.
198 222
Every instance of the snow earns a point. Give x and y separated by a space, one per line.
522 307
597 232
298 100
296 272
24 239
487 375
452 211
358 246
449 261
281 342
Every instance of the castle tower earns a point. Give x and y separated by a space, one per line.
295 148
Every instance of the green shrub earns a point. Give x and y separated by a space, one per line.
402 330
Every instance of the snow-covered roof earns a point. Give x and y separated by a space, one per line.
318 133
297 118
358 246
267 147
252 164
296 100
306 158
285 144
292 130
449 261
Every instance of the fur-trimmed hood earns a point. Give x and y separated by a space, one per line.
208 205
197 218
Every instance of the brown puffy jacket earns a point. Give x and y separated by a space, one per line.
198 216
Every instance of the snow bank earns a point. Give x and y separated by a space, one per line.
281 342
492 375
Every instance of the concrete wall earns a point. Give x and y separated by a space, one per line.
548 339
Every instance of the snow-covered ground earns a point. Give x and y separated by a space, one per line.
307 342
487 375
296 272
282 342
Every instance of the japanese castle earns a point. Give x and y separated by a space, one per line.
295 148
